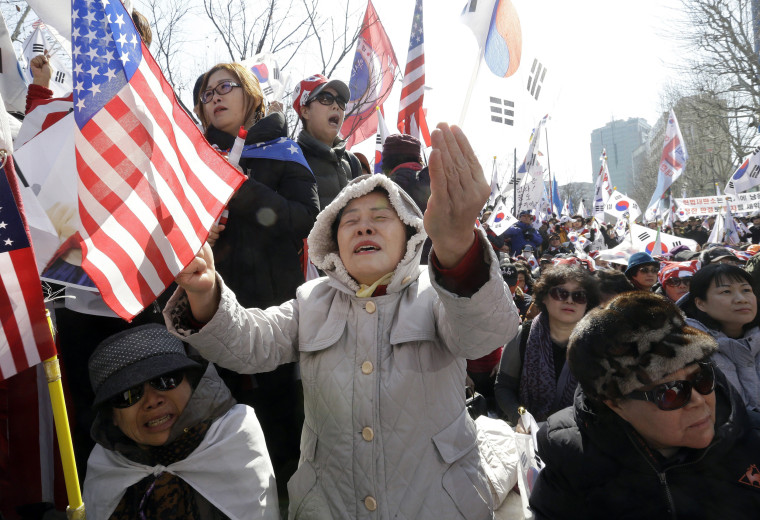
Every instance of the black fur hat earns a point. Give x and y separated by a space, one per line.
636 340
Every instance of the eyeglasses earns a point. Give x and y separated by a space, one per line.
561 295
327 99
649 270
677 282
677 394
225 87
132 395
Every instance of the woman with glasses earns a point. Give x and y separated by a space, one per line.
532 372
722 303
642 271
675 279
171 442
258 250
321 106
655 430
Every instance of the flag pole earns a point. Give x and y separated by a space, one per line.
471 86
75 510
514 182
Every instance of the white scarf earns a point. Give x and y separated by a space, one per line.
230 468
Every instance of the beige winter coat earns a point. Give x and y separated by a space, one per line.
386 433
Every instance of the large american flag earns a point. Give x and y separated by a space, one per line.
411 119
25 338
150 186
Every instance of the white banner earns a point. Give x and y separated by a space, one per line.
672 163
714 205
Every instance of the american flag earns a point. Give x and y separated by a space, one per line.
411 119
150 186
25 338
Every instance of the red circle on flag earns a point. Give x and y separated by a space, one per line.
499 217
650 247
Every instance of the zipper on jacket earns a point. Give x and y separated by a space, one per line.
660 474
664 482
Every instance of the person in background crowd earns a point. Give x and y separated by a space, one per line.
364 162
718 255
611 283
171 442
642 271
522 232
524 279
510 273
675 278
554 246
695 231
532 372
722 303
321 106
381 341
258 250
402 162
754 229
655 430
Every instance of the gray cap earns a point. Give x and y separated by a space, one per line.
134 356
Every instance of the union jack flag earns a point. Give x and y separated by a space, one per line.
150 186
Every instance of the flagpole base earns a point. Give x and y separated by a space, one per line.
76 513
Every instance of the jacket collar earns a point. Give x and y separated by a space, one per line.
320 149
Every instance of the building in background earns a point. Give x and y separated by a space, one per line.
620 138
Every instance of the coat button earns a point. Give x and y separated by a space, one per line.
370 307
367 433
367 368
370 503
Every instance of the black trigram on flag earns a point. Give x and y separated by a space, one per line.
60 77
268 90
38 47
644 236
536 78
276 73
502 111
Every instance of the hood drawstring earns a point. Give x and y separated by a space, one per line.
365 291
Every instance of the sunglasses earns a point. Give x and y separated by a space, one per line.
225 87
677 282
561 295
649 270
132 395
677 394
327 99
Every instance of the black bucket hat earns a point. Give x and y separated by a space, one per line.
134 356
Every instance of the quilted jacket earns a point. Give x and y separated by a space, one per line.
386 434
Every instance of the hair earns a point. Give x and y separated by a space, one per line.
525 271
254 98
612 282
700 284
559 274
142 26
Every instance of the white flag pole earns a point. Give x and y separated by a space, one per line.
471 86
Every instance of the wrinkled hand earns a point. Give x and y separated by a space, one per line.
214 233
198 280
41 70
458 193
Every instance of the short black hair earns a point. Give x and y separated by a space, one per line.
559 274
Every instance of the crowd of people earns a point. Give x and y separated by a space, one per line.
314 358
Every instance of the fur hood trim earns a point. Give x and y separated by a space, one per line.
323 250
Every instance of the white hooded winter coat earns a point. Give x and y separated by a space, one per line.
386 434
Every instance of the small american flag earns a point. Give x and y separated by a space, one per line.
150 186
411 119
25 338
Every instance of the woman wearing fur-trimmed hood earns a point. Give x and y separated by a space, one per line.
381 343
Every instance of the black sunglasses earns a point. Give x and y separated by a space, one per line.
677 394
676 282
327 99
561 295
132 395
225 87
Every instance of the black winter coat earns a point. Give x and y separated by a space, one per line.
598 467
332 167
270 215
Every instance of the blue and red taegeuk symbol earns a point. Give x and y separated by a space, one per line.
738 174
499 217
650 247
261 71
504 41
622 205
